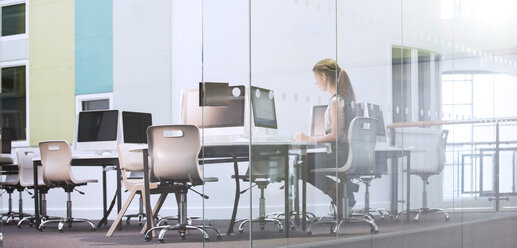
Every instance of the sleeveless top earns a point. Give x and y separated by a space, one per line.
348 113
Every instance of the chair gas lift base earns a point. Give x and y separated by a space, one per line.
347 216
262 219
69 219
424 209
184 223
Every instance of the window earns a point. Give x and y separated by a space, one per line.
13 19
99 101
14 102
415 84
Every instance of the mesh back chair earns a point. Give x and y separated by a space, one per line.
56 158
361 159
425 163
173 152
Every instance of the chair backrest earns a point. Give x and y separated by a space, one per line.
174 151
25 165
428 145
361 143
56 158
130 160
268 162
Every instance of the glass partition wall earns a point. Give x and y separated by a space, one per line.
425 141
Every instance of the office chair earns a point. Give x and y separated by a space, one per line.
26 178
12 183
173 152
426 163
267 165
56 158
361 157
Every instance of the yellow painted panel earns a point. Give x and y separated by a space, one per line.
51 70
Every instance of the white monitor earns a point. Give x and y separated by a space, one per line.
97 131
374 111
317 125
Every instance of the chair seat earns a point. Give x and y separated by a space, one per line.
30 182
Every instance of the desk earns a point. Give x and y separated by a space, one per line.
85 160
237 152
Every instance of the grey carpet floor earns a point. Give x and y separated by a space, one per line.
472 230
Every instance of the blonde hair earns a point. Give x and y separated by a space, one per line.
331 69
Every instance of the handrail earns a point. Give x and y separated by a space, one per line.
451 122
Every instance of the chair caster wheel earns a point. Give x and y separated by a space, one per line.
280 230
207 239
241 231
309 233
19 227
147 238
219 237
374 231
161 241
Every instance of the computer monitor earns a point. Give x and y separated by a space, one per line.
317 127
231 115
97 130
263 107
134 127
374 111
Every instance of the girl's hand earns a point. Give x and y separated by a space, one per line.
300 137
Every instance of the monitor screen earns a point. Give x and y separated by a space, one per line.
317 127
374 111
134 126
97 126
263 106
231 115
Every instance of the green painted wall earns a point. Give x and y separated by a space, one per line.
51 70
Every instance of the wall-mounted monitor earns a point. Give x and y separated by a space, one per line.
231 115
97 130
134 127
263 107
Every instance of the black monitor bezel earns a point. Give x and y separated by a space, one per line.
124 128
83 113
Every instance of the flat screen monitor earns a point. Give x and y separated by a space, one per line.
374 111
97 130
231 115
263 106
134 126
317 127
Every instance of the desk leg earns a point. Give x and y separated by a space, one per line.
104 197
147 195
286 196
304 190
36 196
237 195
408 187
394 185
119 192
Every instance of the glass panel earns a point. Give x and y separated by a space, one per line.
288 38
13 19
224 118
14 109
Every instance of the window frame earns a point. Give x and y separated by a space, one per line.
5 3
15 63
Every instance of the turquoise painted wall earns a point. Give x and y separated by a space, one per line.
93 46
